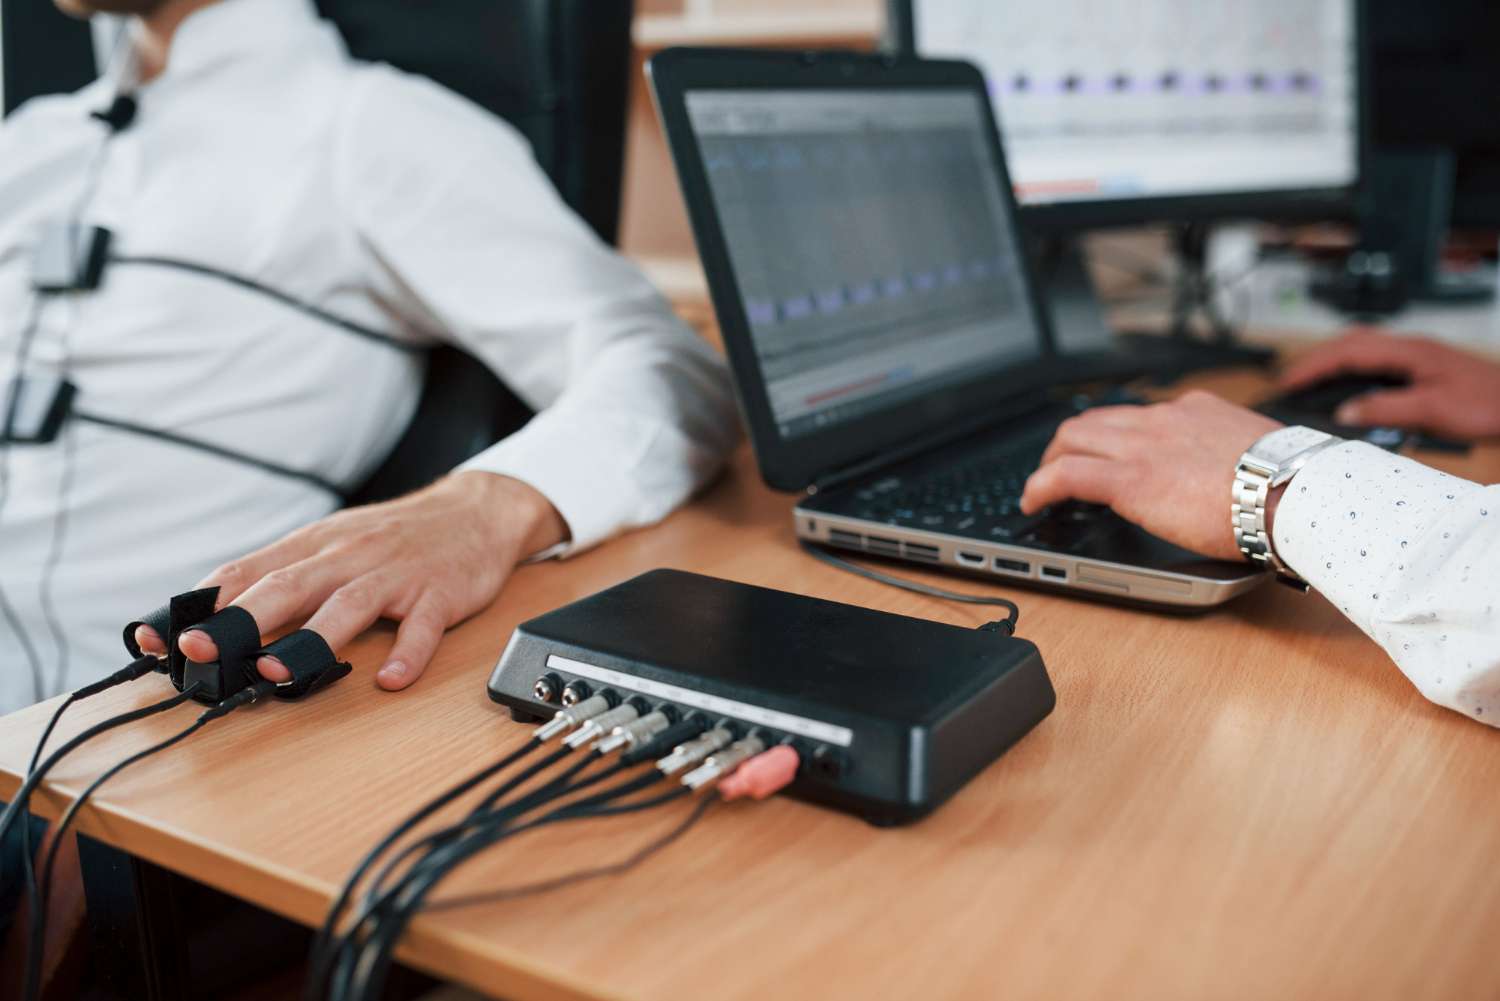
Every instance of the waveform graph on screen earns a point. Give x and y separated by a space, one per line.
868 240
1100 99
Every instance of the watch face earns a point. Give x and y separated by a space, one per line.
1280 447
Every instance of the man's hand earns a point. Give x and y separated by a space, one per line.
1168 467
1452 393
428 560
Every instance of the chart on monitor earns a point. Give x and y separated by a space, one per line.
1100 100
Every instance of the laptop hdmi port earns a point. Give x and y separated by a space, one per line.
970 559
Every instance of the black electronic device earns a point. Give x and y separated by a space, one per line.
1435 85
892 715
1404 220
36 409
69 257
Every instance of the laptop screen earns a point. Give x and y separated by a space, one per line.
871 246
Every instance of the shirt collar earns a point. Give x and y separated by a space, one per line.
224 31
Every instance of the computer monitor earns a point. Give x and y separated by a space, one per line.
1162 110
1436 84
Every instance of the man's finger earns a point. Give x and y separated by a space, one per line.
1071 477
416 641
1097 433
348 612
1362 351
238 576
147 639
1402 408
273 601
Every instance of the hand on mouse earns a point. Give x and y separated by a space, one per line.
1168 467
1451 393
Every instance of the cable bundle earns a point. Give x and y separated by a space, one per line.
353 963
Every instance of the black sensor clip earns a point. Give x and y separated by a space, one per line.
69 257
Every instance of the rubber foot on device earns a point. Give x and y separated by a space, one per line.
522 716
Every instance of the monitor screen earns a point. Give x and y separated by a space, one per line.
871 243
1107 101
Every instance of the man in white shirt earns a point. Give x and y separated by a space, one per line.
1410 554
259 148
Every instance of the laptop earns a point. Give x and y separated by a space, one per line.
858 232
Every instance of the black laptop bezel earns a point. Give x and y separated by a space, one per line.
796 463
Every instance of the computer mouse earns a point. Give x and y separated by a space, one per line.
1322 399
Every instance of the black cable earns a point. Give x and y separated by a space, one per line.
445 834
18 803
373 912
1008 623
483 812
369 971
54 557
37 945
335 948
330 923
265 465
251 285
583 875
28 866
7 432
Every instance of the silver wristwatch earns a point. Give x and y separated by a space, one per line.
1269 463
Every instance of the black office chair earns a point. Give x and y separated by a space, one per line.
558 70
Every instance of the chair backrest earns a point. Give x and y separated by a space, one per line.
42 50
558 70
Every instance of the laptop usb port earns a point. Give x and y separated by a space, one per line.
1056 573
1012 566
969 559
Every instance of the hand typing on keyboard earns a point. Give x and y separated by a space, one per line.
1166 467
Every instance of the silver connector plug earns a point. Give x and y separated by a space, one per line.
694 751
631 734
726 761
597 727
566 719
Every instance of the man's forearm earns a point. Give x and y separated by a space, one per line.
1411 556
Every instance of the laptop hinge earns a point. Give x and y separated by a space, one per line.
912 448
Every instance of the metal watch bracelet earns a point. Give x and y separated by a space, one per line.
1254 479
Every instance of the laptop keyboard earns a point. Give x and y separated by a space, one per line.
978 495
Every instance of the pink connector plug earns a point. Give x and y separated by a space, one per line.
763 775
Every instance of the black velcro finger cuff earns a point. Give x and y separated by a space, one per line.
181 613
235 633
310 660
159 620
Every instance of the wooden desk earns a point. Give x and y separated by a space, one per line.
1249 804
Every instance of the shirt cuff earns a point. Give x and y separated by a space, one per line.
576 464
1352 517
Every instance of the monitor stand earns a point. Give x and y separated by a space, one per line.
1079 325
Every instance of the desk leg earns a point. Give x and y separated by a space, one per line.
134 923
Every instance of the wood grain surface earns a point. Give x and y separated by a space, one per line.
1252 803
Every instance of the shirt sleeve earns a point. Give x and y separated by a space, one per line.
466 238
1412 556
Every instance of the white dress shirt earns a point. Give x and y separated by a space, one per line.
1412 556
265 151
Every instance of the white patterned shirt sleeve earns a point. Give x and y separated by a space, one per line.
1412 556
